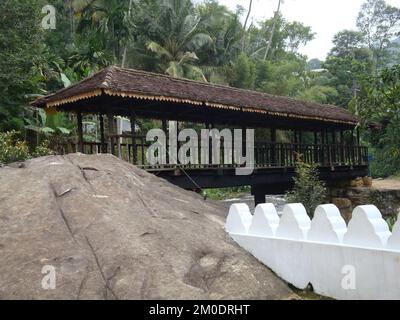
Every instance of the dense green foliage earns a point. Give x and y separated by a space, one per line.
308 189
200 40
379 103
13 148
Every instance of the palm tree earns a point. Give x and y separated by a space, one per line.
177 38
107 20
245 23
226 31
276 17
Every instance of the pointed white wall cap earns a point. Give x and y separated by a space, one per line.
367 228
327 225
239 219
394 240
294 223
265 220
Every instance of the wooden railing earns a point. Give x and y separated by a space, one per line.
266 154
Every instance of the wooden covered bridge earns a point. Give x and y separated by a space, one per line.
322 134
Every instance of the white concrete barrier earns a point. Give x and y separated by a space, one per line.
358 261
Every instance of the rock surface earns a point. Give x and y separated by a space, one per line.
113 231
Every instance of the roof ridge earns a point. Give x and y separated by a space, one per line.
109 72
208 84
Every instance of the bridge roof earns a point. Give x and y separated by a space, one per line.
124 84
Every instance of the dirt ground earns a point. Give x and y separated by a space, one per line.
113 231
391 183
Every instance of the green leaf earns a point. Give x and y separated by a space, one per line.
64 130
65 80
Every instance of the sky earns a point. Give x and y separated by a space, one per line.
326 18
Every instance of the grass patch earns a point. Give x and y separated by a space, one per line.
226 193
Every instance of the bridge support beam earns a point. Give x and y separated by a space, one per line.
259 195
259 191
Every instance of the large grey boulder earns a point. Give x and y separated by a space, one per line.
113 231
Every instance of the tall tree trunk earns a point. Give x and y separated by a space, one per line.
126 45
273 30
245 23
71 19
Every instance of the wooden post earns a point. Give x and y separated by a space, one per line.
133 135
316 147
342 160
80 132
358 146
300 142
323 142
352 147
244 139
103 147
273 147
334 150
111 132
164 126
165 129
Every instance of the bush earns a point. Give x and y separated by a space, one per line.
43 150
308 189
14 149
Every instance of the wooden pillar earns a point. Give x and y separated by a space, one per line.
244 141
103 147
111 132
316 160
164 126
301 150
165 129
323 147
342 160
358 146
80 132
352 147
244 128
273 147
133 135
300 137
352 137
334 150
